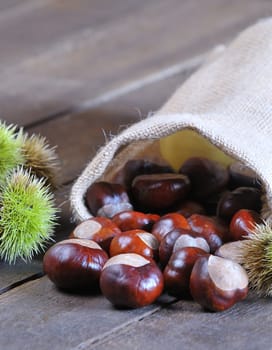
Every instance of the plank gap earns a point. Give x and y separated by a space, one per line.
87 105
21 282
163 302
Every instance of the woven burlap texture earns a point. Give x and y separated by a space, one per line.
228 100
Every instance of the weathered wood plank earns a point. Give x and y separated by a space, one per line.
17 273
37 316
186 326
78 136
85 59
9 4
31 27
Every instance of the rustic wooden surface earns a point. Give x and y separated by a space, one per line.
78 72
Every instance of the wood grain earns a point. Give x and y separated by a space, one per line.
37 316
12 275
31 28
68 52
78 136
186 326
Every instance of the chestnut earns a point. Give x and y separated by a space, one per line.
130 280
167 244
242 223
178 270
217 283
158 192
210 203
168 223
107 199
135 241
189 208
190 240
209 228
131 220
99 229
207 176
135 167
243 176
240 198
75 264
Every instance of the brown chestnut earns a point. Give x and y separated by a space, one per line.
131 220
240 198
135 167
243 176
168 223
130 280
107 199
75 264
207 177
210 203
242 223
135 241
178 270
189 208
158 192
217 283
167 245
190 240
99 229
209 228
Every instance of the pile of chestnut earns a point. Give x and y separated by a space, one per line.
155 231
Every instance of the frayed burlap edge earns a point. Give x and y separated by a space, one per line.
142 135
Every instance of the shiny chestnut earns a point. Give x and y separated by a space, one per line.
135 167
131 220
168 223
188 208
217 283
107 199
99 229
212 229
207 177
243 176
178 270
243 223
130 280
75 264
158 192
167 245
191 240
240 198
135 241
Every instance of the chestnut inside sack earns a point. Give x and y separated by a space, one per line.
214 114
220 113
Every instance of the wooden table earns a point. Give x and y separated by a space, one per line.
78 72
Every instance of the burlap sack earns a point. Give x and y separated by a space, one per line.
228 101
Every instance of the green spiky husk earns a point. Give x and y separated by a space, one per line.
257 259
11 149
41 158
27 216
